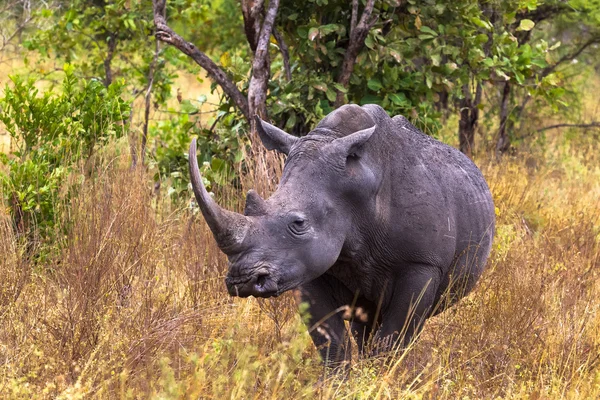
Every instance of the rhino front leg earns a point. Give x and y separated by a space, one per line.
411 303
326 299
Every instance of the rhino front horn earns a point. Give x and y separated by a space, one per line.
228 228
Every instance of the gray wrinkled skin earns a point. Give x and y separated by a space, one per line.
370 213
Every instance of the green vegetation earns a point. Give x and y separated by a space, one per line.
112 286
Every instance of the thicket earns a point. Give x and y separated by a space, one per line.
111 284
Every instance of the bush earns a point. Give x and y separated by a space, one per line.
50 133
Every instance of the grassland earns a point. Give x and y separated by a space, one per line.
130 302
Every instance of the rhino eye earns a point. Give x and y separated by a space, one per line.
298 226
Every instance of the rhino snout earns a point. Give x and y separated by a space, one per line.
258 283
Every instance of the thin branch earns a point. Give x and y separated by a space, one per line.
257 89
568 57
594 124
285 53
19 28
356 43
167 35
543 12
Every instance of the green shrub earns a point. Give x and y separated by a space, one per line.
50 133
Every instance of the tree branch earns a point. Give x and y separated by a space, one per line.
285 53
594 124
167 35
19 28
354 16
548 70
257 89
252 10
356 43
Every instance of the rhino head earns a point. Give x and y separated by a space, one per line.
298 233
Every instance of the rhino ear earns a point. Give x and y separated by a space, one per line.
351 144
274 138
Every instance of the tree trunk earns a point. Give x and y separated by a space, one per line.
503 142
469 117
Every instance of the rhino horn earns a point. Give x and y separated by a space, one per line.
255 205
228 228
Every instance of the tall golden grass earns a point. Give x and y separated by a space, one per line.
131 303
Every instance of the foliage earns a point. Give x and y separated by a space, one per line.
415 54
103 39
220 150
50 133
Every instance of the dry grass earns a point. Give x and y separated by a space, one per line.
133 305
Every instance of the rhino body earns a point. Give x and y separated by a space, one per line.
371 214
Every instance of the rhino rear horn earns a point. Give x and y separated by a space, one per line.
228 228
274 138
255 205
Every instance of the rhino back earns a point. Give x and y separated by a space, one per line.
435 206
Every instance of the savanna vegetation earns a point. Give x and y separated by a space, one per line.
111 285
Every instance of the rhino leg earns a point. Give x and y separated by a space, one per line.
412 301
325 298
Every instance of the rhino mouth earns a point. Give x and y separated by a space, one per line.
258 283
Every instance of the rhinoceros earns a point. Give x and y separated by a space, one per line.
370 214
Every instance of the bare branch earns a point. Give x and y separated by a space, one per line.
568 57
285 54
167 35
22 25
356 43
257 90
594 124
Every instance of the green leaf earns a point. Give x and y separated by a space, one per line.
331 95
526 25
327 29
481 38
312 33
555 46
398 99
374 84
188 108
427 29
340 88
482 23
